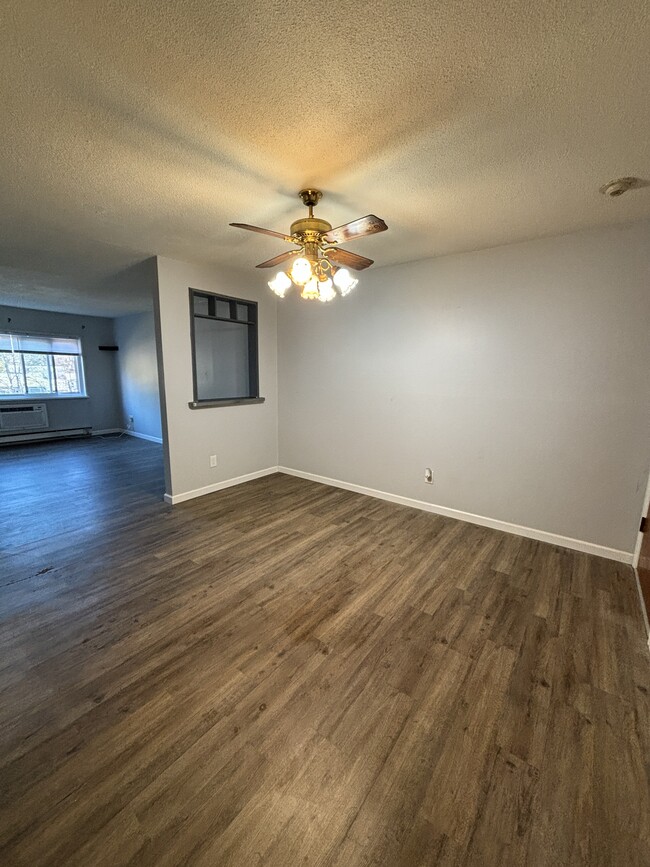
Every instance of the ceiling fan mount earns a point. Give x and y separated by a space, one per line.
319 263
311 225
310 198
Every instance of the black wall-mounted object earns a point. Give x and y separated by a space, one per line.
109 348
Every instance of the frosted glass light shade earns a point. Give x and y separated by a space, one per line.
326 290
301 271
280 284
311 290
344 281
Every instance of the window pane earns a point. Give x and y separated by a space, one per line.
37 374
11 374
201 305
242 312
26 373
221 359
67 374
223 309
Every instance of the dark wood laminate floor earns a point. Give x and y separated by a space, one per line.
285 673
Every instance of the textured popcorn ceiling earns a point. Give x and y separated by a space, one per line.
136 127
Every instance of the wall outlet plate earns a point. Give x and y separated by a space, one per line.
428 476
213 460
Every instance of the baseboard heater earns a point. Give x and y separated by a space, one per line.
24 422
8 439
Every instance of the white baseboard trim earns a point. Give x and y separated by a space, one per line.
482 521
141 436
172 499
132 433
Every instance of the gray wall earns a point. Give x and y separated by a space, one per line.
519 374
101 409
244 438
138 373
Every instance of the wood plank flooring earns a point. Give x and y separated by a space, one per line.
284 673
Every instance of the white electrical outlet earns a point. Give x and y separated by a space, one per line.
428 476
131 423
213 460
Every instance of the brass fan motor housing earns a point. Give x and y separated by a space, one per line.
310 225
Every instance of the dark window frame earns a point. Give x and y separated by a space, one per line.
250 323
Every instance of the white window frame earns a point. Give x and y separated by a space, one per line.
46 395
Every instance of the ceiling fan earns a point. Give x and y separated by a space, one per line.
318 265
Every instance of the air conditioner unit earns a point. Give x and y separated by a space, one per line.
23 417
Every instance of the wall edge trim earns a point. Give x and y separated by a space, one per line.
141 436
644 613
173 499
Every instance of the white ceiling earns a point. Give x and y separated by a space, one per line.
137 127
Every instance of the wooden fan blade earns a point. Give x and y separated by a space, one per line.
356 229
348 259
264 232
278 260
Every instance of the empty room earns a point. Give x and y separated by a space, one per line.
324 434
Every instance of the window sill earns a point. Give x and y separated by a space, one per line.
228 401
40 398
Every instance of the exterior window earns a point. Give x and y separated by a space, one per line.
224 348
33 364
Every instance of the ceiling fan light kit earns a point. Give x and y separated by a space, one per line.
319 266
